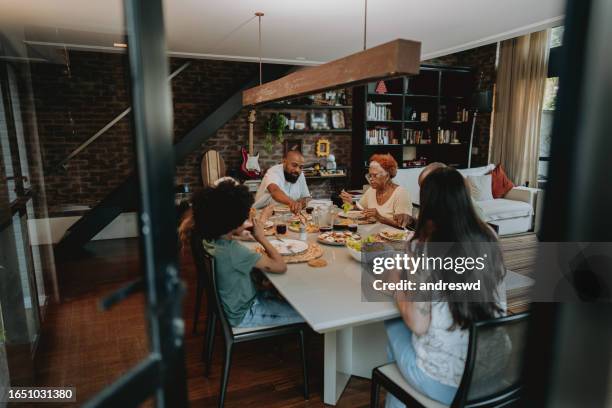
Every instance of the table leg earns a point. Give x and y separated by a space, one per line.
351 351
337 364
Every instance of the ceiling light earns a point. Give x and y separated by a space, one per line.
120 45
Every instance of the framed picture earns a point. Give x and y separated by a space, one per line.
318 121
323 148
338 119
289 145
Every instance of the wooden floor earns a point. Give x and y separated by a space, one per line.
87 348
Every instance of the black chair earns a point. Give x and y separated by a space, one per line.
205 266
492 369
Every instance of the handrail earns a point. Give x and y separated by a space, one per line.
75 152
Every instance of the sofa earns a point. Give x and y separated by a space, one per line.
513 214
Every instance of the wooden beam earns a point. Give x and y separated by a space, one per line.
395 58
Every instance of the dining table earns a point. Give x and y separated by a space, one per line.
330 300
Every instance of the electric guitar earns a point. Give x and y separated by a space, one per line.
250 162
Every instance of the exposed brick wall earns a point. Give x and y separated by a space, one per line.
231 137
73 104
482 60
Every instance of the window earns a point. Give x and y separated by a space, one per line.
548 106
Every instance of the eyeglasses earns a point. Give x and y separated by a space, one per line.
369 176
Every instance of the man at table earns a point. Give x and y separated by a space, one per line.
284 184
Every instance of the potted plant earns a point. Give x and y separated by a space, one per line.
275 125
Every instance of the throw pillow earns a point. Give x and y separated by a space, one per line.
481 187
501 184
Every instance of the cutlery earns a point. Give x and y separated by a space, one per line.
286 245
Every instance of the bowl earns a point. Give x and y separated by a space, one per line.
356 255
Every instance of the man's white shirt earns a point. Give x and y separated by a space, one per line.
276 175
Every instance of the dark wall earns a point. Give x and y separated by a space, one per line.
482 60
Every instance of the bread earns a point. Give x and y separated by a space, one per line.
317 263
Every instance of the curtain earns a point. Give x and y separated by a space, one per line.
521 79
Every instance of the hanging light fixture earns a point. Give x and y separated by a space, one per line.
393 59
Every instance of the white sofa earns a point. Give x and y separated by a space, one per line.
513 214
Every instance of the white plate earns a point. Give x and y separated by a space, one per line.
281 209
332 238
353 214
386 234
289 246
356 255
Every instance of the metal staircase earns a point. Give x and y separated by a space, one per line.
125 197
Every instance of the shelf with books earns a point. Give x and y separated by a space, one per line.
433 104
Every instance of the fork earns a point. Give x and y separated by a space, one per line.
285 242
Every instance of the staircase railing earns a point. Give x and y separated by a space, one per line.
63 164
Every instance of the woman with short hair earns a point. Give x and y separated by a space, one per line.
386 201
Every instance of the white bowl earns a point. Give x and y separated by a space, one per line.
356 255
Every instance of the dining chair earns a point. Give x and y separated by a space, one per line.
205 265
492 369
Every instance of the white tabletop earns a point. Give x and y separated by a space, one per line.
329 298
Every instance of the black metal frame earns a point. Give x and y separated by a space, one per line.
162 373
570 344
205 266
508 396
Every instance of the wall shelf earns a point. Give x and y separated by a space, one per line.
277 106
443 92
308 131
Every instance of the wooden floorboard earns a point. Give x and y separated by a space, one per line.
87 348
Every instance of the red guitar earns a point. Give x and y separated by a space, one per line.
250 164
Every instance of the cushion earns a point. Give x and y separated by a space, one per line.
393 373
502 209
481 187
477 171
501 184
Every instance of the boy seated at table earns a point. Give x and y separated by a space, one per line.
219 214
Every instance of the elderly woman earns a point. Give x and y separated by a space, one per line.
386 201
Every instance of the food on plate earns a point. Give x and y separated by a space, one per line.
281 209
317 263
310 227
337 237
358 244
346 207
395 235
353 214
353 217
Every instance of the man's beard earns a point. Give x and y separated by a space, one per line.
292 178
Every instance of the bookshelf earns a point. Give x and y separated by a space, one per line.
423 116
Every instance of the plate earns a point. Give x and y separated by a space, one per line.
396 235
281 209
289 246
310 228
337 238
353 215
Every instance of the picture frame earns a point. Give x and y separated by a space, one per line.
318 121
294 144
323 148
338 119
